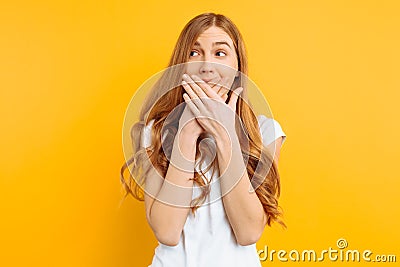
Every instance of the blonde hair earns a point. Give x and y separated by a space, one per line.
159 108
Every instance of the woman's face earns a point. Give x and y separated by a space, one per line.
213 57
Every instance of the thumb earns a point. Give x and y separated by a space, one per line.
234 97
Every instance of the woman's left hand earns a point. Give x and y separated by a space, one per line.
209 107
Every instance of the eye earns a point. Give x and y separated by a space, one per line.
193 53
223 52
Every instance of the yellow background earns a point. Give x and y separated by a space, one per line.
68 69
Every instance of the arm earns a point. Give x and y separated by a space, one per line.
243 208
167 221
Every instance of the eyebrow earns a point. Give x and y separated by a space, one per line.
215 44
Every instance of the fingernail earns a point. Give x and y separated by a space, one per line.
185 76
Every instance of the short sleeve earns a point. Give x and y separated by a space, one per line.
146 135
270 130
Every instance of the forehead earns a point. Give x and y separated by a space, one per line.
214 34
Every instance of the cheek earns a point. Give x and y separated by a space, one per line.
230 73
230 68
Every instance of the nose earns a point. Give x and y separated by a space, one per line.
207 67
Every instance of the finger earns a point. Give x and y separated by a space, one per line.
193 97
222 87
189 90
196 84
223 91
209 92
191 105
217 84
214 82
202 85
225 97
234 97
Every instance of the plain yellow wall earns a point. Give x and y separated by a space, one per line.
329 69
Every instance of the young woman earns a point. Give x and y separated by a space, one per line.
205 216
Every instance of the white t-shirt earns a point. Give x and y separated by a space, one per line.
207 239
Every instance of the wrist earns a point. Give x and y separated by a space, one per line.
227 139
183 153
186 144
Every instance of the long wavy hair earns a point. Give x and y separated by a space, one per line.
161 103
